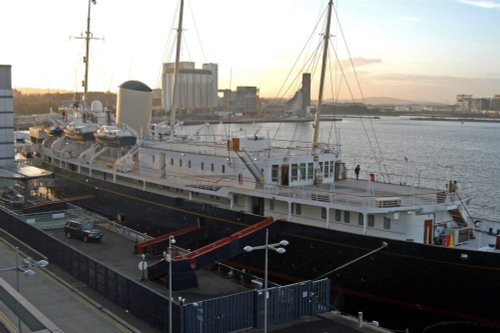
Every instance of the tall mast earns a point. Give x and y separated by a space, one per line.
86 59
326 38
176 70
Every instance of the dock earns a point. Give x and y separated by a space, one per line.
96 272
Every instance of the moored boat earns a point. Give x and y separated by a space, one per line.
114 136
81 132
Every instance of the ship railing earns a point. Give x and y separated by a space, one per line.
360 200
124 231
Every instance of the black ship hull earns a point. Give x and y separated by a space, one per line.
405 285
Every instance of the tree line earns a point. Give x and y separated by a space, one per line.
28 104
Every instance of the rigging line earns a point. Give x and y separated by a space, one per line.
197 32
333 125
361 91
301 52
362 123
313 64
167 54
307 63
384 245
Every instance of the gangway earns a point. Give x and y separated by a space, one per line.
40 206
141 247
184 265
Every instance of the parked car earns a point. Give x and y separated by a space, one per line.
82 230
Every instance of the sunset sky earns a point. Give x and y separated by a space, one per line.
422 50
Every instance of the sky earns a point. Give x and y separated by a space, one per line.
420 50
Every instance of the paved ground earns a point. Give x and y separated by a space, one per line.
68 310
74 307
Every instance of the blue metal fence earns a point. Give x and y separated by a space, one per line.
246 310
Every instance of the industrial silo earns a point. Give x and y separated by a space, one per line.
134 103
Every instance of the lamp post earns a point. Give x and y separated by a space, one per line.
266 248
168 257
28 263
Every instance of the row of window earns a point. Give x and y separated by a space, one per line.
347 218
202 165
303 171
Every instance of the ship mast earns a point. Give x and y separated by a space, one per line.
326 38
88 36
176 70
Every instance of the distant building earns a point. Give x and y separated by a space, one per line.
228 100
247 100
495 103
301 101
480 104
6 119
464 102
196 88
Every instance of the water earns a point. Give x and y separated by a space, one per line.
426 153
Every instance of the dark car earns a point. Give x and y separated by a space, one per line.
82 230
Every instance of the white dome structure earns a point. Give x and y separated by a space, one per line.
96 106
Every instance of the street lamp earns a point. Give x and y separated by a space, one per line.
267 247
168 257
27 271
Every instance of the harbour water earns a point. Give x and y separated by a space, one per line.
428 153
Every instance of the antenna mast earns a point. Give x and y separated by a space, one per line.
88 36
326 38
176 70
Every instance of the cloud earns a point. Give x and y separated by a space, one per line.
487 4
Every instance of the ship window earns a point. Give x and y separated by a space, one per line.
271 204
202 166
302 169
296 208
387 223
338 215
275 173
371 221
310 170
235 199
327 169
189 164
180 163
332 165
212 167
347 217
171 161
153 158
223 168
323 213
360 219
294 172
320 166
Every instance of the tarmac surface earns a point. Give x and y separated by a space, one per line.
74 307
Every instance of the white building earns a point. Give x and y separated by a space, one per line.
196 88
6 119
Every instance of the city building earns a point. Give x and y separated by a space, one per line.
196 88
464 102
495 103
247 101
467 103
300 103
6 119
